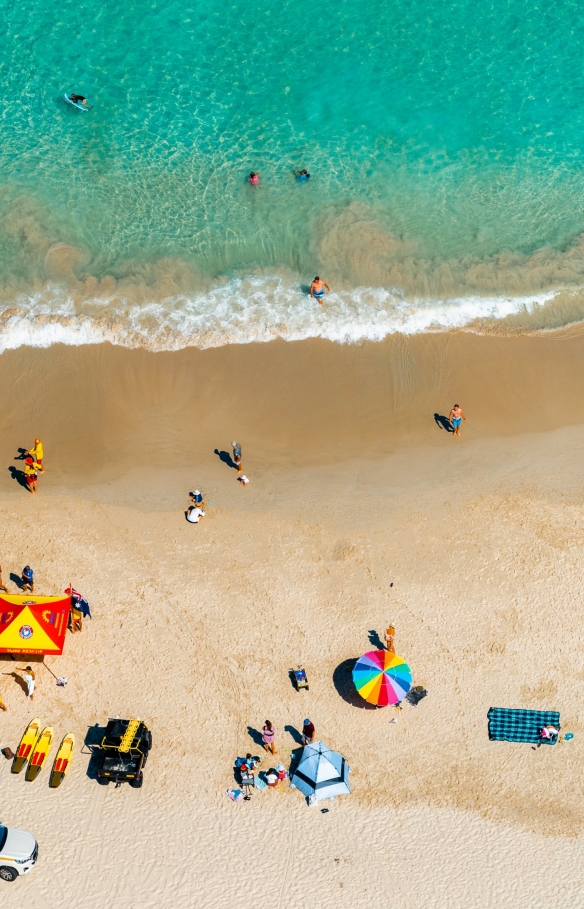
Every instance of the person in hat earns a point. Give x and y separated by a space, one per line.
30 474
307 732
197 497
37 454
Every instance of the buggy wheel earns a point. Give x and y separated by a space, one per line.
137 783
307 687
8 874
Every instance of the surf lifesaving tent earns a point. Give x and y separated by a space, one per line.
321 773
31 624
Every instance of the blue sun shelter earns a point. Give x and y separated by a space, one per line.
321 773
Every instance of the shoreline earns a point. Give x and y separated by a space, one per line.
102 409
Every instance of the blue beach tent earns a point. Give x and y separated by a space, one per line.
321 773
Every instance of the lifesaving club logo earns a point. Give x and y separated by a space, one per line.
25 632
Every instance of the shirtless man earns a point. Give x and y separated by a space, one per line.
455 417
317 289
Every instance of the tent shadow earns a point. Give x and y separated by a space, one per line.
343 682
91 743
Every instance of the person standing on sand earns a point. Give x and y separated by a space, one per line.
27 578
455 417
307 732
237 456
317 289
269 737
29 677
30 474
37 454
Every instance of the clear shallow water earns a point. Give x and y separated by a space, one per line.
444 143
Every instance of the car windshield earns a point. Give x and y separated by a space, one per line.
3 836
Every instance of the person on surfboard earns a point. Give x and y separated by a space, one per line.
78 99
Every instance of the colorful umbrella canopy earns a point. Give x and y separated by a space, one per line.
382 678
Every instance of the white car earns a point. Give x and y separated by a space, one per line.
18 852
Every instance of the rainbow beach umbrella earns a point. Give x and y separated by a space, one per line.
382 677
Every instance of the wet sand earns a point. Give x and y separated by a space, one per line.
361 510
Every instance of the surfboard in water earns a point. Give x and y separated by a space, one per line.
75 103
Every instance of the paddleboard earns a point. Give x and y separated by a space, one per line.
62 760
75 103
27 744
39 755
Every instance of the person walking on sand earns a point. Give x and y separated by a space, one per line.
317 289
37 454
307 732
237 456
30 474
30 678
269 738
455 418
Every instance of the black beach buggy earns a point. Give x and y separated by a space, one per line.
123 752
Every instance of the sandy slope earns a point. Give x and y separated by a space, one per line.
196 627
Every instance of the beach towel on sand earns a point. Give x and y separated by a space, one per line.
236 795
507 725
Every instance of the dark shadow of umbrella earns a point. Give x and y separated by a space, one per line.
345 686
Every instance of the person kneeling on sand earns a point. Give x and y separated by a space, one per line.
194 514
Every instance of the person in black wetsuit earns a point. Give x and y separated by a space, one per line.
78 99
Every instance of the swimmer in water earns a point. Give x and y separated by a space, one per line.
254 178
79 99
317 289
302 175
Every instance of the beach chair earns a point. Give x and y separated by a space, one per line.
300 679
247 782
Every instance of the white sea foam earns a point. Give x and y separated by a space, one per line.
244 310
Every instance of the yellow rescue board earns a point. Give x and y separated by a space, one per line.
62 760
39 754
27 745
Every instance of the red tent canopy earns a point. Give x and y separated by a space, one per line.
31 624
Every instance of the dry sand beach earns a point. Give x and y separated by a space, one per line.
354 488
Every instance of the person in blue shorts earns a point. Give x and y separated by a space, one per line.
317 289
456 417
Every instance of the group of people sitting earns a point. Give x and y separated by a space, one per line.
248 768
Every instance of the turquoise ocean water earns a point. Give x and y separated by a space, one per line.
444 142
